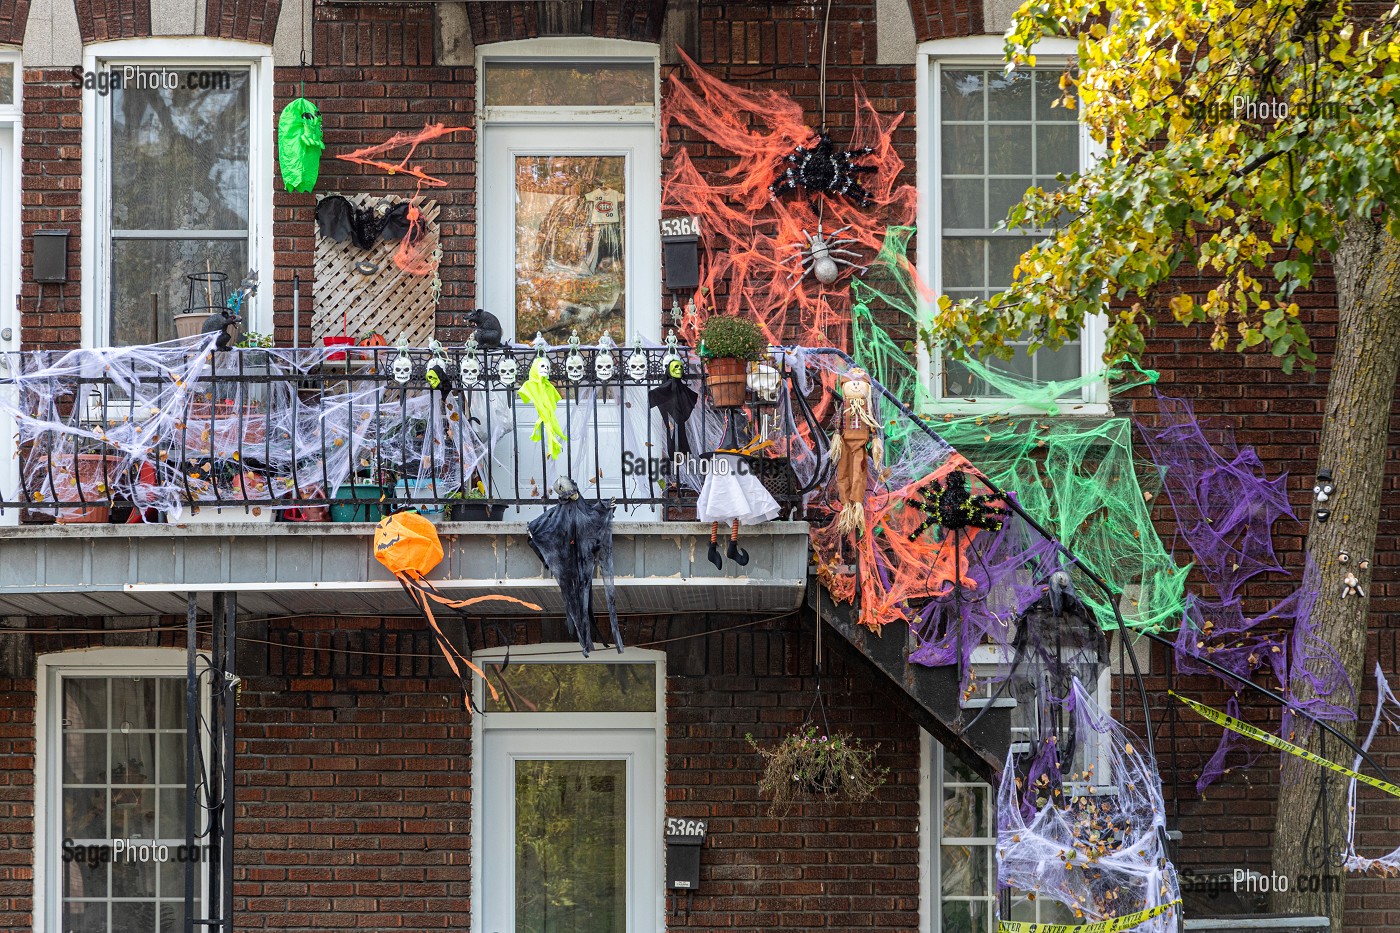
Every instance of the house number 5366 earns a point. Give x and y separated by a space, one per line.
675 827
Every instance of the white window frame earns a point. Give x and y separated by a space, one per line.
566 653
931 756
984 51
174 52
12 122
644 240
48 809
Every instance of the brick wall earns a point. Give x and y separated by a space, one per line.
51 199
16 802
355 782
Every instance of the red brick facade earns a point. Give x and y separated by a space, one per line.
334 749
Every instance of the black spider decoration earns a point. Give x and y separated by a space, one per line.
823 168
951 507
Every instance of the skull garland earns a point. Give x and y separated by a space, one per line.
574 366
603 362
506 371
822 168
637 363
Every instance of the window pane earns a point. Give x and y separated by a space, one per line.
570 247
963 204
1047 91
1009 149
143 267
964 262
967 917
1002 195
1009 95
964 871
180 155
570 84
1003 254
571 846
1057 150
965 814
573 688
961 95
962 149
7 82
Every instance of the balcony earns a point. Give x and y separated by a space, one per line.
146 473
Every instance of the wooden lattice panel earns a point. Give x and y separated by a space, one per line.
390 300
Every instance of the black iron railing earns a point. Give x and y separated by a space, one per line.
181 430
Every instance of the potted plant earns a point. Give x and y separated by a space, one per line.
471 505
363 500
80 478
812 765
728 344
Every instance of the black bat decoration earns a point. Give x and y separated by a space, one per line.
952 507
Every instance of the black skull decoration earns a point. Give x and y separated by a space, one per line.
823 168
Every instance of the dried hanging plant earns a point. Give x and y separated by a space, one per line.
811 765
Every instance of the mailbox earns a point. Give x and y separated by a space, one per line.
684 840
50 256
680 252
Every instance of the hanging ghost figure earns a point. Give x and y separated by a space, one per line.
573 540
300 143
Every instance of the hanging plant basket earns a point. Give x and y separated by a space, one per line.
813 766
727 380
728 344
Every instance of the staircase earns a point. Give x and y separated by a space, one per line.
928 695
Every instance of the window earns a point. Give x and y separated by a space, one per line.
567 771
962 822
111 755
993 135
179 181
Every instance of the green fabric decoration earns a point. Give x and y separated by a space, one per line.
538 391
1079 476
299 144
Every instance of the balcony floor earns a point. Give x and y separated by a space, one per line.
293 569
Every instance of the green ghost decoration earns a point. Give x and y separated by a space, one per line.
299 144
540 392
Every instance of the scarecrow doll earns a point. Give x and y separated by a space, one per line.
857 432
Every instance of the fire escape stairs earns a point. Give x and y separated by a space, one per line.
928 695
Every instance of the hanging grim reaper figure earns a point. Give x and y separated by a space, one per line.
574 540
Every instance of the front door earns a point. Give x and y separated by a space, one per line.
569 831
569 244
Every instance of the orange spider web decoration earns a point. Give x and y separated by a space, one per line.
429 132
754 243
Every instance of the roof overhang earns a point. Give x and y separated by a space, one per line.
297 569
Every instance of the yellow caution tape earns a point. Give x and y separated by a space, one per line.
1115 925
1268 738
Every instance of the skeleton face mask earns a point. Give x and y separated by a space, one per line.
603 366
574 367
403 368
506 371
637 366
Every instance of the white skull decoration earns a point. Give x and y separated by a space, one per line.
403 367
603 366
637 366
574 367
506 371
470 367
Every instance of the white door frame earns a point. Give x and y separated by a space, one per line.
10 122
576 735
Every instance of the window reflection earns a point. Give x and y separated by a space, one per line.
573 688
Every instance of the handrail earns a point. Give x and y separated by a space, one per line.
1109 593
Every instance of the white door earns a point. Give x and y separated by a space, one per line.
569 835
569 242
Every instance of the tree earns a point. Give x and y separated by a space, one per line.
1248 142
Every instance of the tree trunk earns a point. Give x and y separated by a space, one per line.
1355 442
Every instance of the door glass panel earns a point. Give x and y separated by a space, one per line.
570 846
573 688
7 82
570 249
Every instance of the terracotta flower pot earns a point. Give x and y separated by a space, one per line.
189 324
727 379
94 473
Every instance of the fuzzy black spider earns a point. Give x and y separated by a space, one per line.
823 168
951 507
